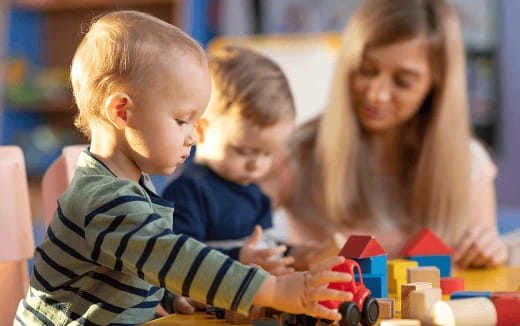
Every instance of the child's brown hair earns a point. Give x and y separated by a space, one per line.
123 51
250 84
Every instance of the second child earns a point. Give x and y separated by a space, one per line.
217 200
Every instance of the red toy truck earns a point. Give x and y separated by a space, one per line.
363 307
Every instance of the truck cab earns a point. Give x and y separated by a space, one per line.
363 308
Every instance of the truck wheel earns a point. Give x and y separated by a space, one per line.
370 312
350 314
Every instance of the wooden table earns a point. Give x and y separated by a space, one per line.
499 279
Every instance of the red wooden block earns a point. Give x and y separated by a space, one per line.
426 242
508 312
451 285
501 294
361 246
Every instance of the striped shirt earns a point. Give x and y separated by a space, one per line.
110 251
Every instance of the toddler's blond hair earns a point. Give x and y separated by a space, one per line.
123 51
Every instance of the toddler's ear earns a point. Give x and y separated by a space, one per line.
118 109
200 129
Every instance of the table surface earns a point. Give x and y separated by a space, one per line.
499 279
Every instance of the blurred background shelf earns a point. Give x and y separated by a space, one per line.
43 34
49 5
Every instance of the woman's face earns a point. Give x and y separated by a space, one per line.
390 84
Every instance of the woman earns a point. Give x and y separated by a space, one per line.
392 151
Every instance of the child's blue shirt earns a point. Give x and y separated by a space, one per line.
216 211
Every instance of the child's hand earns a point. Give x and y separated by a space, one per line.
265 258
185 305
299 292
481 247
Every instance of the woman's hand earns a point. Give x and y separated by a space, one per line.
481 246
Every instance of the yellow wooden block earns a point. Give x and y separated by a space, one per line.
397 268
397 298
394 285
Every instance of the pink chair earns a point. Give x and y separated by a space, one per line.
57 178
16 232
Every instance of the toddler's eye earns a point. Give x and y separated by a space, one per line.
180 122
367 70
239 151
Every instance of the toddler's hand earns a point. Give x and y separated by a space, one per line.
265 258
300 292
481 247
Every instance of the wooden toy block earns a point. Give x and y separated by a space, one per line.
255 313
405 291
397 299
400 322
420 303
397 268
442 262
373 265
508 310
264 316
426 242
470 294
235 318
265 322
394 286
386 307
464 312
507 294
361 246
377 285
451 285
424 274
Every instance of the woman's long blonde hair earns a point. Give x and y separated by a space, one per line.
436 141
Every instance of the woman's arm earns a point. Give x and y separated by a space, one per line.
481 245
